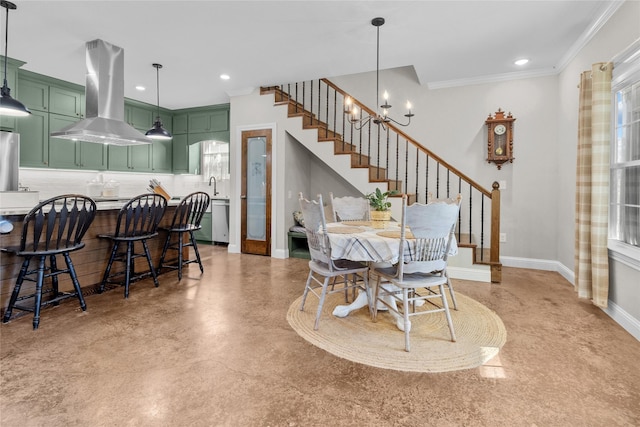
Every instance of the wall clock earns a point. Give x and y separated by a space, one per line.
500 138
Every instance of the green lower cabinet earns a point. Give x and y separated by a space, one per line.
34 139
205 234
130 158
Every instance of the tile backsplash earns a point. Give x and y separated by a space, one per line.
53 182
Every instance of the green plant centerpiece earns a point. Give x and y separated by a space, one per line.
380 204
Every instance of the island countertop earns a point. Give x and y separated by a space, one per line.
102 204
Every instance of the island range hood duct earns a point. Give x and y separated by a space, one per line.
104 93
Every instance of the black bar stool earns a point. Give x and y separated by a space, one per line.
137 221
54 227
186 219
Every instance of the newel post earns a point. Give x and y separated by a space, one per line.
494 256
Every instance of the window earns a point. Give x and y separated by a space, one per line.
624 209
215 159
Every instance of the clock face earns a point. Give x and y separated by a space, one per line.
500 129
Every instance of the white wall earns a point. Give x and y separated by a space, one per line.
450 122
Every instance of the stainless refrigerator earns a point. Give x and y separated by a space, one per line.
9 160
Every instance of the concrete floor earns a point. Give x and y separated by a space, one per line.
216 350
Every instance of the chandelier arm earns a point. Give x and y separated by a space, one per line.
398 123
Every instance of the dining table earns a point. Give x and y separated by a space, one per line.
378 244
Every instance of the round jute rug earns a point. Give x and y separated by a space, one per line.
479 331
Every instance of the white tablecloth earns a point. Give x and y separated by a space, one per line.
369 246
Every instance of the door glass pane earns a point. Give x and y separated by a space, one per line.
256 188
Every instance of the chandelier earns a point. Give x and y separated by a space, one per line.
380 119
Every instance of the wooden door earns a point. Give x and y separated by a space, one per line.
255 198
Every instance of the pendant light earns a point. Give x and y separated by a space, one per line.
157 132
379 118
8 105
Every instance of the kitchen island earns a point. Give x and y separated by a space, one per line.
89 262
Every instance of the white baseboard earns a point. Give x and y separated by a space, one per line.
624 319
619 315
469 274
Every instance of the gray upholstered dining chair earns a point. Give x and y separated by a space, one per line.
322 268
349 208
419 275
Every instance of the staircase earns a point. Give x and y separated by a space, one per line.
388 158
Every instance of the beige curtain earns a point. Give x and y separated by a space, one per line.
592 185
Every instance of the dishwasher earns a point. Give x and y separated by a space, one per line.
220 220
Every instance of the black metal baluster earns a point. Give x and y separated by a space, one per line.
438 180
304 90
319 117
397 159
406 165
295 103
426 179
311 105
448 177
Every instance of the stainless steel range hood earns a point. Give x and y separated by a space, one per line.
104 92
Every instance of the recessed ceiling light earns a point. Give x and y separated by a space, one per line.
521 61
141 88
224 76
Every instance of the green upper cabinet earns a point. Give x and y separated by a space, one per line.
68 154
67 102
8 123
41 93
34 93
34 139
186 158
139 117
132 158
209 121
180 123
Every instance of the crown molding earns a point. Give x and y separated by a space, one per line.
494 78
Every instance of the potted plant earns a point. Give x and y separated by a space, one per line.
380 204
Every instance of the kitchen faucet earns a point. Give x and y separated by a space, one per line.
215 184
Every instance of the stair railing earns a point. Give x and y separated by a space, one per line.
400 162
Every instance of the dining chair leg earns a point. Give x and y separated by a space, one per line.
167 242
74 280
375 300
38 295
180 245
195 250
16 289
54 277
325 286
151 267
128 268
306 289
453 294
107 270
445 305
405 313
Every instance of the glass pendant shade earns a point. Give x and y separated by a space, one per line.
8 105
157 132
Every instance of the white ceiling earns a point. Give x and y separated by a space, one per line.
271 42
